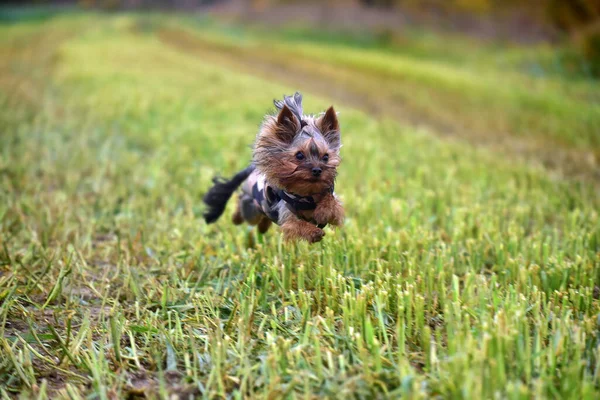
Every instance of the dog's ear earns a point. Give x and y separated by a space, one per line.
330 128
287 125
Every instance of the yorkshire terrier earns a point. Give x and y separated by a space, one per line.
291 179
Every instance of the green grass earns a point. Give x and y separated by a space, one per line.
503 89
459 273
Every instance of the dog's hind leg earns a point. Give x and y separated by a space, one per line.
264 225
237 218
249 211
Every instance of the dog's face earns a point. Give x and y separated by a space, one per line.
300 159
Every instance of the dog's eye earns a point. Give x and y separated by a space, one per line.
299 156
326 158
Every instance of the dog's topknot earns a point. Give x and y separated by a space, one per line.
294 103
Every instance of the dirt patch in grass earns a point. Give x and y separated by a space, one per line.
143 384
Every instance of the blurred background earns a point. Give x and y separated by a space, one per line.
576 22
519 76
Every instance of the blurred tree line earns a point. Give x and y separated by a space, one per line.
576 19
566 15
579 20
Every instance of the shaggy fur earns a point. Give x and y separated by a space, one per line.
296 153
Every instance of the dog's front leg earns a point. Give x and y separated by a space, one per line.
329 211
294 228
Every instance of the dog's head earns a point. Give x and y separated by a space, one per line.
298 153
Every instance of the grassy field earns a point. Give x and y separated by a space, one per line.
466 269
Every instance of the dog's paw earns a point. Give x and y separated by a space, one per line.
316 236
237 218
304 230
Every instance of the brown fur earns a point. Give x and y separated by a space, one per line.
295 153
237 218
264 225
329 210
276 147
277 144
298 229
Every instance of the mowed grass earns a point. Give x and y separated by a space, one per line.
459 273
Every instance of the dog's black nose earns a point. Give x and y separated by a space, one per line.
316 171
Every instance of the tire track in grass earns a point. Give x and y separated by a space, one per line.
363 91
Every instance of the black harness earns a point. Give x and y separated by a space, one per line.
293 202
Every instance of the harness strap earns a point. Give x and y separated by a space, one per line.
293 202
300 203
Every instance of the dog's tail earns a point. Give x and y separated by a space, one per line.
217 197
